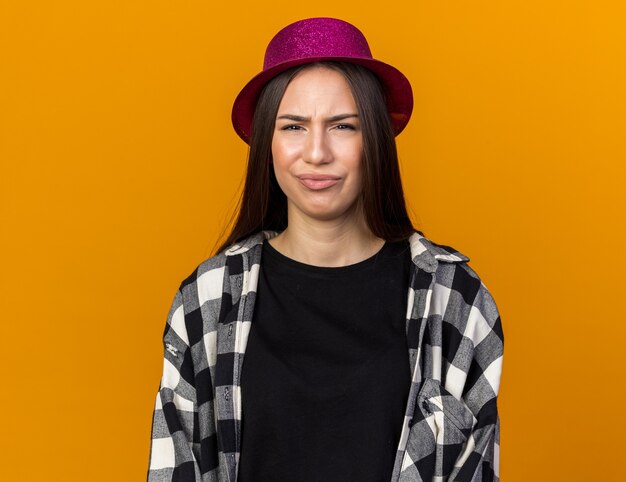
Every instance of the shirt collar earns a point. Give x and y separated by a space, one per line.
427 254
249 242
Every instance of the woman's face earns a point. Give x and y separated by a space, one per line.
317 146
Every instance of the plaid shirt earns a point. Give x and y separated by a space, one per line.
455 340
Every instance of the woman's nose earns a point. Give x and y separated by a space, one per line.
317 149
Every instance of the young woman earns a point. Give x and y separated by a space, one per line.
328 340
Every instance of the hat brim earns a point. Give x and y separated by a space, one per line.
398 92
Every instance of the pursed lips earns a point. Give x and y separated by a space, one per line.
317 182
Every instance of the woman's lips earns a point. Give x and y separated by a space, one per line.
318 182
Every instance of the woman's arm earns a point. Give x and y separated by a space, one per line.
479 460
174 452
454 428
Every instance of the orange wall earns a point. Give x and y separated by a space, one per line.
118 167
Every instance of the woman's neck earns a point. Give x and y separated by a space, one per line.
327 243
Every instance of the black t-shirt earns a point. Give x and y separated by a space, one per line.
325 378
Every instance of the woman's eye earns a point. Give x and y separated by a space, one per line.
343 127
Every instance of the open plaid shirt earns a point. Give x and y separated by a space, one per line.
455 340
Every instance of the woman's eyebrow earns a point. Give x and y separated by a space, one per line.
299 118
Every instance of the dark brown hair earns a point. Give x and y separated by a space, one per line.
263 205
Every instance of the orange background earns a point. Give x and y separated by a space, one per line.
119 167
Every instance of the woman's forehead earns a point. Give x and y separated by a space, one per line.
318 88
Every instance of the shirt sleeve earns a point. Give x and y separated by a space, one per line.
479 459
173 453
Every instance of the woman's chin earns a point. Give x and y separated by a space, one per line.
326 213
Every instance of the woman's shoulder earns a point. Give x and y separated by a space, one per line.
459 290
451 270
207 277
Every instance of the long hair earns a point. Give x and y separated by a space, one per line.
263 205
